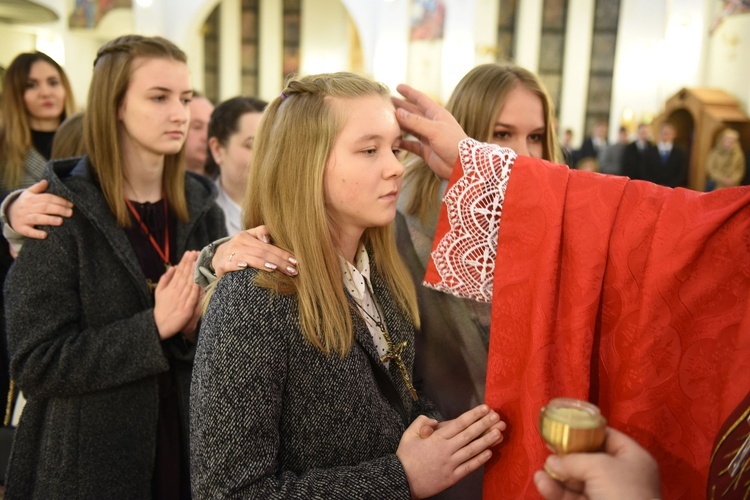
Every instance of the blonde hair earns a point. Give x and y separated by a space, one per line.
285 192
109 84
68 141
475 103
729 132
589 164
15 136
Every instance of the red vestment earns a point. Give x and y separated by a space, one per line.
624 293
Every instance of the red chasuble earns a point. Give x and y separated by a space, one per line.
624 293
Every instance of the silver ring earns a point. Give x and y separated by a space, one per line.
231 256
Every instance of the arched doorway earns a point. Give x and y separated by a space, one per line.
698 115
684 125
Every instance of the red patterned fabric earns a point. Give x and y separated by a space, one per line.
628 294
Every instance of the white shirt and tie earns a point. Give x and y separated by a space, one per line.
665 148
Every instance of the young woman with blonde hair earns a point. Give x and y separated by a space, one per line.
497 103
302 386
102 313
501 104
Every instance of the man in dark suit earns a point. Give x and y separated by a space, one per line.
638 153
593 144
671 165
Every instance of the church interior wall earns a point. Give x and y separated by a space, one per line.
656 54
728 61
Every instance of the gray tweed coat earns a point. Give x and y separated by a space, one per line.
33 170
273 417
85 349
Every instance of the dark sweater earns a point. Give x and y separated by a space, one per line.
85 348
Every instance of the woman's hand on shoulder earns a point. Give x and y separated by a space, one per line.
435 456
34 208
252 248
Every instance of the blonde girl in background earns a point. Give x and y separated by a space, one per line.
68 142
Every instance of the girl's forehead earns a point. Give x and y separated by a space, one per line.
160 72
369 105
371 115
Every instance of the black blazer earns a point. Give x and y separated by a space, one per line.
671 173
635 162
587 150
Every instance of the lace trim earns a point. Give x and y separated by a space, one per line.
465 256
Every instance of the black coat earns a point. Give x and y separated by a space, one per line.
85 349
33 166
587 150
635 162
672 172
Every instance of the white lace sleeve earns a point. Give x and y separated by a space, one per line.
465 255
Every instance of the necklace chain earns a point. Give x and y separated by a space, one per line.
394 352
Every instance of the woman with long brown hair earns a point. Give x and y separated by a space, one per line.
102 313
36 98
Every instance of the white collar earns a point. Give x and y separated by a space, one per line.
356 276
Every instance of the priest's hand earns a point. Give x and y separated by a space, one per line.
623 471
437 459
437 132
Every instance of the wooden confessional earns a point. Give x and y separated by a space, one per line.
699 115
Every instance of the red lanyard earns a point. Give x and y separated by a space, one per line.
163 253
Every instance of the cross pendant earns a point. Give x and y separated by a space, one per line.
394 353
